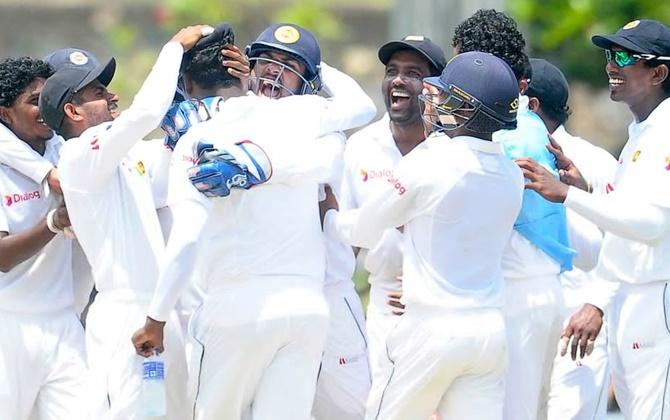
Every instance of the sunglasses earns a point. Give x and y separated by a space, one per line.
627 58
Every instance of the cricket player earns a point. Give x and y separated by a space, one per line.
578 388
42 360
20 156
113 213
448 350
282 68
370 158
636 218
260 251
538 250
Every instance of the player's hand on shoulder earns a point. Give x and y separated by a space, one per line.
149 338
189 35
540 180
567 170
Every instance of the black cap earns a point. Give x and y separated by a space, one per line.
548 84
292 39
223 34
59 89
642 36
485 77
419 43
71 57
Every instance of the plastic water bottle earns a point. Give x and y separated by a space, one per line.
153 386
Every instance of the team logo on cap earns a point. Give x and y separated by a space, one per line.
287 34
631 25
514 106
418 38
78 58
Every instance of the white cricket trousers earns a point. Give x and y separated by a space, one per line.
380 322
344 377
533 318
445 362
42 366
640 350
579 388
259 346
116 370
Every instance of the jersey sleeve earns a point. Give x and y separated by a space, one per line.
18 155
406 195
623 217
347 107
91 159
190 211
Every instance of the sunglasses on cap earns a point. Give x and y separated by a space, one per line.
627 58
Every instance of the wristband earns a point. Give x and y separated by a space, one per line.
50 222
589 188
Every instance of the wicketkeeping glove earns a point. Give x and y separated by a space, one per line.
242 165
183 115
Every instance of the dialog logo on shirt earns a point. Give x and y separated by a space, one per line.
667 163
375 173
397 185
12 199
94 144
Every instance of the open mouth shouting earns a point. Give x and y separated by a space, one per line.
399 99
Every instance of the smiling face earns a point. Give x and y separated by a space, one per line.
630 84
95 104
23 117
402 84
286 74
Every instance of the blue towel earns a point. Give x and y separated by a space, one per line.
540 221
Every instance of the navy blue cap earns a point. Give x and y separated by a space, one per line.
61 87
292 39
642 36
484 77
548 84
71 57
420 44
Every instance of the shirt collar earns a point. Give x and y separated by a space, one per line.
474 143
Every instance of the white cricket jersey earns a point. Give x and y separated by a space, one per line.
369 161
271 230
642 182
458 199
340 258
18 155
43 282
598 167
108 191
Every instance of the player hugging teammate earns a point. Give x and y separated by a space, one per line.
226 248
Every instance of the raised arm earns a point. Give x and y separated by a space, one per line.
90 161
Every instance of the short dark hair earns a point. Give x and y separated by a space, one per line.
205 67
557 113
16 74
494 32
666 83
